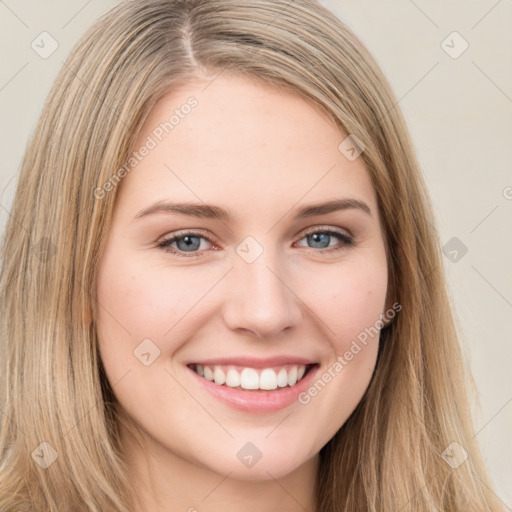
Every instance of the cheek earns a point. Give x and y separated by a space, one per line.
143 299
352 312
138 301
350 302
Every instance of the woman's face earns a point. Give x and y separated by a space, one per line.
259 289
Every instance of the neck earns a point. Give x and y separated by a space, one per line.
165 482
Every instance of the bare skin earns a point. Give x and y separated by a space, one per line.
261 154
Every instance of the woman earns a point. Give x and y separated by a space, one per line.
177 333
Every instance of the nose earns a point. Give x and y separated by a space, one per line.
261 298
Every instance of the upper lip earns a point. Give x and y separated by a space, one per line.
253 362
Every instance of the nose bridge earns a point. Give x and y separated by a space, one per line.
260 298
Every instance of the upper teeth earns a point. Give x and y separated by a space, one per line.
251 378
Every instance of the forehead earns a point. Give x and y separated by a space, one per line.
241 141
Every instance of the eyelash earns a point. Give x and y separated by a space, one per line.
347 241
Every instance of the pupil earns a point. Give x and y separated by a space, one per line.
189 242
317 238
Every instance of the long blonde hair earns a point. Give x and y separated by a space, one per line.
59 442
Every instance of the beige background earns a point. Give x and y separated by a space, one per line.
460 114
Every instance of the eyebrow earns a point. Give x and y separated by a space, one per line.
216 212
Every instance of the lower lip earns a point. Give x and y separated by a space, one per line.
258 401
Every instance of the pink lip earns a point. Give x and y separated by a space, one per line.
257 401
253 362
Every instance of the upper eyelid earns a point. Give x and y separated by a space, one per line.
184 233
326 228
191 232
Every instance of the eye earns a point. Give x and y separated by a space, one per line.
188 244
321 238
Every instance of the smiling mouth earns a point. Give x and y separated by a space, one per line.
253 379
